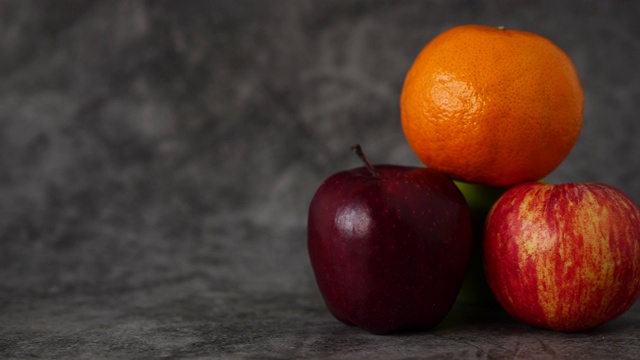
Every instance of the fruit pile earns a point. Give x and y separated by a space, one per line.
490 112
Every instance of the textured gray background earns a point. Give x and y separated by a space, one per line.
157 160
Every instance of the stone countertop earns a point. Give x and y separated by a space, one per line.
157 161
186 319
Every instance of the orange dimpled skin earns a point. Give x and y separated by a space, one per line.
492 106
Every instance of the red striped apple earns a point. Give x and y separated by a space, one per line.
564 257
389 246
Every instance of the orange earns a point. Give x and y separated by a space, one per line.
492 106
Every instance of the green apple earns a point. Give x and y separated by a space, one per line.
475 289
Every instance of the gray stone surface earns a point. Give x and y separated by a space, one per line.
158 159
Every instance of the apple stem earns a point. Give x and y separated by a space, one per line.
358 150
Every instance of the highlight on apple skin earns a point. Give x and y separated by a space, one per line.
389 246
564 257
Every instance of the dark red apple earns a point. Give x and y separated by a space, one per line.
389 246
564 257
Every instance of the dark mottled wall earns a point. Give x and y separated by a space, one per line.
156 141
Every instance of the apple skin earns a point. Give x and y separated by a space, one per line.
564 257
389 253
